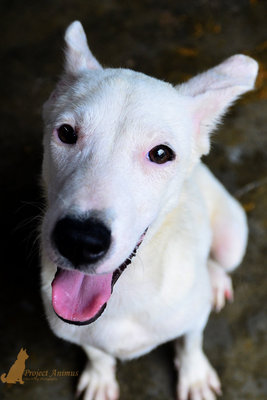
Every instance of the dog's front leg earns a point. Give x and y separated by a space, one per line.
98 380
197 379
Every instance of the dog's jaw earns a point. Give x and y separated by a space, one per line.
81 299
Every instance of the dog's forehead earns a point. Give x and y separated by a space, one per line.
116 94
123 81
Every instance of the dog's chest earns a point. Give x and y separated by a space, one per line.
157 299
151 319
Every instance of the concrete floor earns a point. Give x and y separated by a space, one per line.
167 39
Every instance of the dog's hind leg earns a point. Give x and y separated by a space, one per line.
98 380
227 219
229 235
197 378
229 229
221 284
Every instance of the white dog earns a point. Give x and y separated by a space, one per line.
123 178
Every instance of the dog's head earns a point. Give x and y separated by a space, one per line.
118 146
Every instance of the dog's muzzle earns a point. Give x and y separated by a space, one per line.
79 298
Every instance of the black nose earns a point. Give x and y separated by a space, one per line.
81 241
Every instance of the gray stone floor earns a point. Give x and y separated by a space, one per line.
171 40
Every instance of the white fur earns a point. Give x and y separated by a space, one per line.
166 292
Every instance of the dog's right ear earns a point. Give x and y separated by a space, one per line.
78 54
214 91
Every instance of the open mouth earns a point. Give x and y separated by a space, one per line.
80 299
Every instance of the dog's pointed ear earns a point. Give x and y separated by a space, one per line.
77 53
214 91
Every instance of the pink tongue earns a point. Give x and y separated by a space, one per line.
78 297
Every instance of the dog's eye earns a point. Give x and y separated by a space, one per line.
67 134
161 154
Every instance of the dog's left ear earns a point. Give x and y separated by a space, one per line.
78 54
214 91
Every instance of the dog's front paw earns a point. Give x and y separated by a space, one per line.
197 380
98 385
221 284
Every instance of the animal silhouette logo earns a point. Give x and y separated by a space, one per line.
15 372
